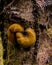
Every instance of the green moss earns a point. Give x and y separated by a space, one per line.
46 46
1 51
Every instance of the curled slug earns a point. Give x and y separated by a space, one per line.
25 40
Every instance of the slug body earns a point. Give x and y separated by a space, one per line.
25 40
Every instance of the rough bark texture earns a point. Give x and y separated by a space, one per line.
37 16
